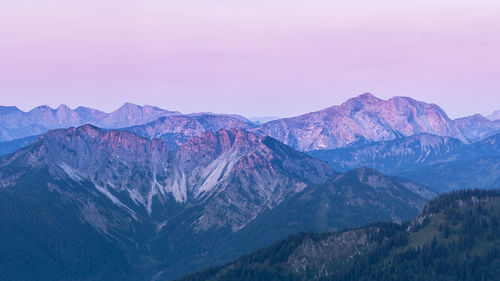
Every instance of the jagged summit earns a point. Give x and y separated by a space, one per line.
121 164
15 123
363 118
176 129
477 127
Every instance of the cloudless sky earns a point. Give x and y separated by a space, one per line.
253 57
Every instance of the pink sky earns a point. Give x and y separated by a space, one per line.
260 57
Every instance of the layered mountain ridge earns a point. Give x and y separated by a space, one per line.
122 164
478 127
442 163
167 212
362 119
168 193
176 129
15 123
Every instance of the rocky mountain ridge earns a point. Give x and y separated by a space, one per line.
15 123
362 119
365 118
167 212
478 127
123 165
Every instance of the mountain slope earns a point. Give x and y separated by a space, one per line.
123 165
176 129
456 237
129 191
440 162
131 114
7 147
164 213
348 200
15 124
494 115
478 127
362 119
396 155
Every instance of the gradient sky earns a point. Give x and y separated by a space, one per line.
253 57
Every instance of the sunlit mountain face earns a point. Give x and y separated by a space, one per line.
249 140
165 194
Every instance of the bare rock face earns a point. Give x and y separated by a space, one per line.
478 127
232 174
361 119
260 179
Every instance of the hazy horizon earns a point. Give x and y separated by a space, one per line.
254 58
250 117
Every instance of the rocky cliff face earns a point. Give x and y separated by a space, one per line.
260 179
361 119
232 173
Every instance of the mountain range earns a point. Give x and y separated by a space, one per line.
478 127
495 115
442 163
362 119
15 124
176 129
166 213
144 193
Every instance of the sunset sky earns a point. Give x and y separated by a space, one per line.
256 58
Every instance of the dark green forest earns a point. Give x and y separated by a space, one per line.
456 237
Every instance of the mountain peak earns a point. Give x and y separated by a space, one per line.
128 106
494 115
365 118
368 96
473 118
8 109
42 108
63 107
477 127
